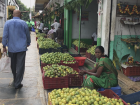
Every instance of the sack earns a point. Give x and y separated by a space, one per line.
5 62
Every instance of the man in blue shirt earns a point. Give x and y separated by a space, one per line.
16 37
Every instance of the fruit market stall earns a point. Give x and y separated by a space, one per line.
83 46
131 69
83 96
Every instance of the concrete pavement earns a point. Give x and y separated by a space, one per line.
32 92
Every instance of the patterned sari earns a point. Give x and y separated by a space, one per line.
108 77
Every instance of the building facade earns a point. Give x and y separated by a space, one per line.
2 15
4 6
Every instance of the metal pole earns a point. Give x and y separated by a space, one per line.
30 11
80 28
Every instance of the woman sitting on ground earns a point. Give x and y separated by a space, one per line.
103 75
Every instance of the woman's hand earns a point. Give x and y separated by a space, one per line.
82 72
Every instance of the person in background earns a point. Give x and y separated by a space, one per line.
94 38
51 33
103 75
46 30
41 27
16 37
29 25
35 24
60 35
55 25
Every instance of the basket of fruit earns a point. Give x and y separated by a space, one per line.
83 96
56 76
75 79
83 46
81 60
57 58
72 64
131 69
55 83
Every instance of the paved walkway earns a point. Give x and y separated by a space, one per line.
32 92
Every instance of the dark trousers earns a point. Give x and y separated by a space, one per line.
17 66
40 31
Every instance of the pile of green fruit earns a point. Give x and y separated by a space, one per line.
46 43
54 58
51 58
82 44
92 50
36 31
41 39
40 34
55 71
82 96
68 59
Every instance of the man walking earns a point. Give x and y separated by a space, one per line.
16 37
60 35
55 25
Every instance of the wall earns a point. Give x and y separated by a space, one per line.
89 27
2 17
126 31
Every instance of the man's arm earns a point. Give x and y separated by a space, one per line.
27 35
5 37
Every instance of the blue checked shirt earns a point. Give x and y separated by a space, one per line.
16 35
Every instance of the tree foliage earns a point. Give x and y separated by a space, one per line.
22 7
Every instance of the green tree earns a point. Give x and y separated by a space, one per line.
22 8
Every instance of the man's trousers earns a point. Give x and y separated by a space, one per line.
17 66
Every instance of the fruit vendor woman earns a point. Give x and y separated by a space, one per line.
103 75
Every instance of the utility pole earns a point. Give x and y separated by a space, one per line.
30 11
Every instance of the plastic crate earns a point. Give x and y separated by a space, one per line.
76 65
42 51
131 98
55 83
108 93
81 60
131 71
93 58
81 49
75 79
45 64
116 89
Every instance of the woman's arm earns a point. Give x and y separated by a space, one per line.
97 74
82 72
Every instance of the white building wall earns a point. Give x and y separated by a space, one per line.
2 17
87 27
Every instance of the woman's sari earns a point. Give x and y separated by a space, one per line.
107 79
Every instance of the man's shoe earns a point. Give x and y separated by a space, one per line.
19 86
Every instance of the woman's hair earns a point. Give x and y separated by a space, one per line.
101 48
